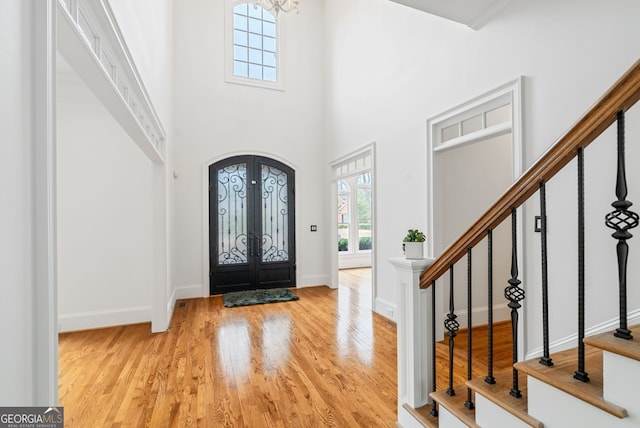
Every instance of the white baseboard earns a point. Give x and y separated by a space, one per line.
101 319
572 341
348 261
193 291
313 281
479 315
386 308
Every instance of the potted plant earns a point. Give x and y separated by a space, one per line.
412 244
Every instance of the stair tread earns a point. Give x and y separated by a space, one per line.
423 415
455 405
608 342
498 393
560 375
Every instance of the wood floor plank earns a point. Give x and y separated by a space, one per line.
325 360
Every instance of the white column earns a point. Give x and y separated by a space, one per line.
414 333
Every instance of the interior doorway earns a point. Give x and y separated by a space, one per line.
251 224
474 155
352 228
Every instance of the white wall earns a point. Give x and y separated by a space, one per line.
389 68
16 219
215 119
471 179
147 27
105 215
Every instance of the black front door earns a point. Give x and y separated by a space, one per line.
251 224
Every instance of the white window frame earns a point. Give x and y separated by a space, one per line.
230 77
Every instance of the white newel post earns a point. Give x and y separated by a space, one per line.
414 334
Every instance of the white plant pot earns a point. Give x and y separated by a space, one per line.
413 250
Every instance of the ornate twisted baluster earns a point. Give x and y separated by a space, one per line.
452 327
514 294
469 404
545 359
621 220
581 374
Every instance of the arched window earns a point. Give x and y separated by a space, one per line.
253 58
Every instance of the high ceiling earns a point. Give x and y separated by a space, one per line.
473 13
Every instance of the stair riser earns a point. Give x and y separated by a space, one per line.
620 381
407 420
490 415
558 409
447 420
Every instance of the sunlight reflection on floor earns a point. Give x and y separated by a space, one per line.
354 328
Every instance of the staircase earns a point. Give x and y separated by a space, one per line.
593 385
551 397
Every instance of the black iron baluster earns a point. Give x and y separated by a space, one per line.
581 374
469 404
452 327
489 378
514 294
545 359
622 220
434 408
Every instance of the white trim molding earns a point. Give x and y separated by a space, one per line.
312 281
88 29
571 341
352 164
508 96
193 291
101 319
45 292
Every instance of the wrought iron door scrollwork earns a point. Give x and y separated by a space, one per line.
275 213
232 199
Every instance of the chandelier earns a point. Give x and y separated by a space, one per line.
278 5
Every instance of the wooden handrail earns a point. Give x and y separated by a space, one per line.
620 97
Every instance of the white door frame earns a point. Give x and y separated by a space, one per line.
354 163
512 93
45 290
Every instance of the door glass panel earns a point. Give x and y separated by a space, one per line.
232 214
364 211
343 216
275 215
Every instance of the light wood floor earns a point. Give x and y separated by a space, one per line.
324 360
502 354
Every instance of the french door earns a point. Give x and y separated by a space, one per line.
251 224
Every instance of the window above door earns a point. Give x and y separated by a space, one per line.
253 46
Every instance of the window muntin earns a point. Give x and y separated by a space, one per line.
254 43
